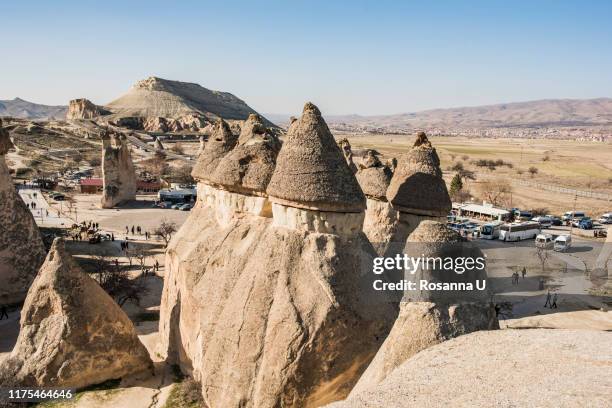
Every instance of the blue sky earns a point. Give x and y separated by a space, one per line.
365 57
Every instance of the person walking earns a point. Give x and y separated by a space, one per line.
554 302
4 312
524 272
127 230
133 230
112 236
548 300
156 265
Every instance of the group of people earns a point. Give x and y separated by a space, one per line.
516 276
551 301
136 229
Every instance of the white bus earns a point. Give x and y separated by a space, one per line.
490 230
519 231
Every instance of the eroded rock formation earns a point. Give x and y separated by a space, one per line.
428 317
381 221
118 173
21 247
84 109
72 333
268 308
417 189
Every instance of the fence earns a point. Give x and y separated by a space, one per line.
565 190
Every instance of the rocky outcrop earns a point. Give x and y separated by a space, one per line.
21 247
158 145
502 368
381 221
345 145
219 144
118 173
72 333
417 189
84 109
269 308
428 317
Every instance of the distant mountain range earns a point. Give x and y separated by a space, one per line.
18 108
548 112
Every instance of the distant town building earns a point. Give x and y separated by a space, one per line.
95 186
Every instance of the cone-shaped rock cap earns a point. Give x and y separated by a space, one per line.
219 144
311 171
73 334
5 140
249 166
417 186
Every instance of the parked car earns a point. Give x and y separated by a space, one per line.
556 221
605 218
176 206
165 204
573 215
544 221
59 197
585 223
186 207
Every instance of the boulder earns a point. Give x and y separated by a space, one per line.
118 172
72 333
21 246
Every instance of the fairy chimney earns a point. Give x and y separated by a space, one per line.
417 189
118 172
72 332
21 246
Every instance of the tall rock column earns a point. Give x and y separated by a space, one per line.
118 172
21 246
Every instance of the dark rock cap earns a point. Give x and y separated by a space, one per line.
219 144
311 171
417 186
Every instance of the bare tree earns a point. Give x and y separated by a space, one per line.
543 256
496 192
165 231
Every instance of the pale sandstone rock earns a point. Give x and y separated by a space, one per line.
118 172
21 246
272 308
84 109
158 145
72 333
502 368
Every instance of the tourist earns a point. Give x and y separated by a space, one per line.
112 236
548 300
127 230
132 230
156 266
554 302
524 272
3 312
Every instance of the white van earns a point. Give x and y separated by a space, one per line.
573 215
562 243
544 241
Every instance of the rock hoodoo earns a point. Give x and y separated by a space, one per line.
345 145
381 218
220 142
417 189
118 173
430 317
72 333
84 109
21 246
263 307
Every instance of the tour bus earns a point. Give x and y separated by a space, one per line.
562 242
544 241
490 230
519 230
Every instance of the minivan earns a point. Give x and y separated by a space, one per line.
544 241
573 215
562 243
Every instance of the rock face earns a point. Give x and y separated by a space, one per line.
84 109
21 247
261 306
219 144
72 333
430 317
501 368
417 189
118 173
